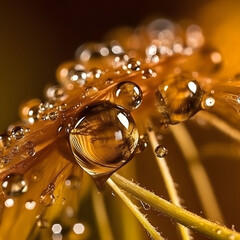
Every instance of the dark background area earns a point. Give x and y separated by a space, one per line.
37 36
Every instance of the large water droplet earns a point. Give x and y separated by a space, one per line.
103 140
128 95
178 98
14 185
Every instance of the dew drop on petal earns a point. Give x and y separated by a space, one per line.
54 93
28 111
178 98
133 65
17 133
90 91
208 101
14 185
128 95
103 140
161 151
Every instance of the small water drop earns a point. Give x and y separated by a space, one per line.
128 95
28 111
103 140
55 93
133 64
91 51
14 185
208 101
31 152
161 151
47 198
53 115
77 74
219 231
90 91
17 133
109 81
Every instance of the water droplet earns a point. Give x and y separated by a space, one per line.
14 185
28 111
30 205
53 115
77 74
178 98
31 152
17 133
219 231
128 95
109 81
47 198
161 151
90 91
133 64
147 73
208 101
43 223
103 140
91 51
55 93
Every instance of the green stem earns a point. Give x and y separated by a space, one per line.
142 219
169 183
178 214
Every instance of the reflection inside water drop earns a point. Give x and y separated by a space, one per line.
104 139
